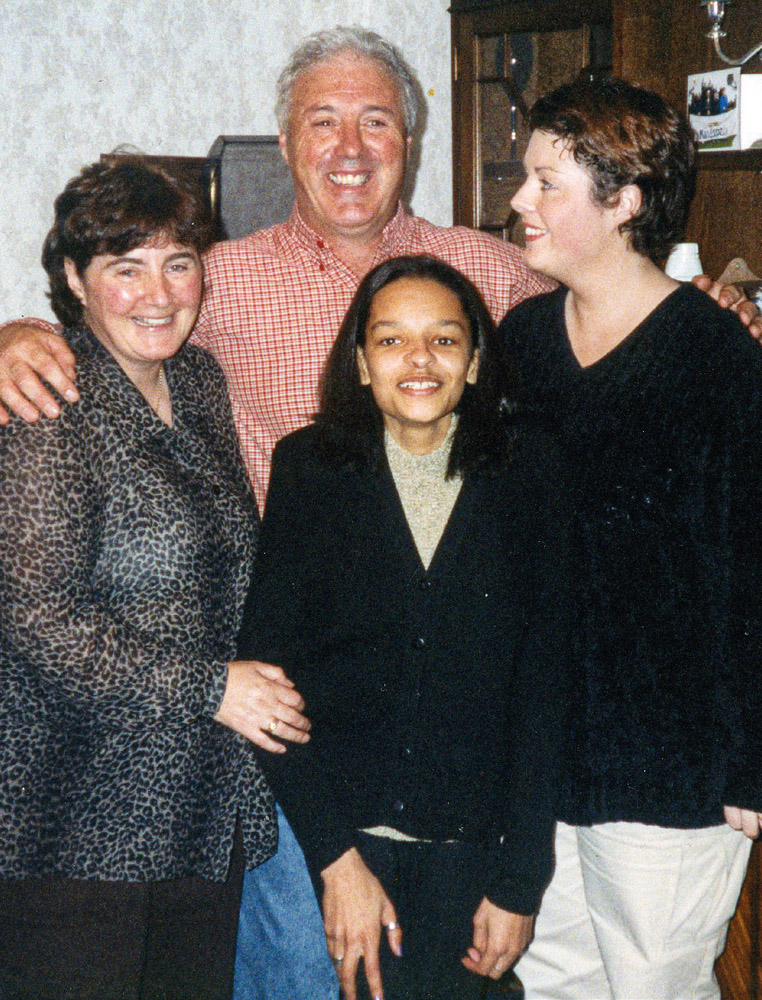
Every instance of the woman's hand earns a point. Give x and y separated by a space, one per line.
29 354
260 702
743 819
355 908
500 938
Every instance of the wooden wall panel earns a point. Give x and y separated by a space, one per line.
726 217
738 969
657 45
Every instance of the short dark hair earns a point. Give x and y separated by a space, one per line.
623 134
350 423
112 208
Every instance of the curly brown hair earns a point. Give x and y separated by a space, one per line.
112 208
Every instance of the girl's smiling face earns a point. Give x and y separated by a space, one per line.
417 358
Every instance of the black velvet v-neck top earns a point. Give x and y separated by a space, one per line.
664 437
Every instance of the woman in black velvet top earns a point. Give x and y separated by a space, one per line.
127 811
413 582
657 396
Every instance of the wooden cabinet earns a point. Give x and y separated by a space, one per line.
646 41
504 56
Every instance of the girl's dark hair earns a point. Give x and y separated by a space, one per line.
112 208
622 134
350 423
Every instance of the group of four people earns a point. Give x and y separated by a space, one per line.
465 577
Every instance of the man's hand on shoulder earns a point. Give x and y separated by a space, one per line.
29 354
733 298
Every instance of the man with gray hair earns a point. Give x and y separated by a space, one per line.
347 109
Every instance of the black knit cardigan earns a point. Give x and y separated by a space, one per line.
436 696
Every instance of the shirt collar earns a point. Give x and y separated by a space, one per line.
394 238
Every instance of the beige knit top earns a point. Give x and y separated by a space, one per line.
427 497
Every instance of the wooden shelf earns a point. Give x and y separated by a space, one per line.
732 159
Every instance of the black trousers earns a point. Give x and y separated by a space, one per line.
435 889
66 939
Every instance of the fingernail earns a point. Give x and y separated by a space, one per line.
398 951
71 395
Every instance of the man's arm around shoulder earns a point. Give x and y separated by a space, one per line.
32 353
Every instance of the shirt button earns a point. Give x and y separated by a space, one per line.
321 244
398 805
321 266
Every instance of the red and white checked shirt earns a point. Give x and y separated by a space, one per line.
274 302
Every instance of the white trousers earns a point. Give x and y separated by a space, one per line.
635 912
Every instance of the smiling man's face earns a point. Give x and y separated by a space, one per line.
346 147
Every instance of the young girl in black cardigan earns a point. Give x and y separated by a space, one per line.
413 583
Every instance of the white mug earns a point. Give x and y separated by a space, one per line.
683 262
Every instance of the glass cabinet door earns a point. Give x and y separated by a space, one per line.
501 69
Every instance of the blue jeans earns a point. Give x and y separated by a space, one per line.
281 953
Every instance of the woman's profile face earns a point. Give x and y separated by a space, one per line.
417 358
141 305
565 230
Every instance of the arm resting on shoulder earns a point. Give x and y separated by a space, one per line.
31 351
732 297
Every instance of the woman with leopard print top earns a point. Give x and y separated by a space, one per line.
127 811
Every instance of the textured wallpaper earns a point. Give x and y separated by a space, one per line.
80 77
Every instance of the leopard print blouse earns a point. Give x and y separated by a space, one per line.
125 555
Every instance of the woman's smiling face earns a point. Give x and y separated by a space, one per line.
565 229
417 358
142 304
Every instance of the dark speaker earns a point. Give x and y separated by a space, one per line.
250 185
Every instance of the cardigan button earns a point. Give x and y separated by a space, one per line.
424 583
419 643
398 805
406 753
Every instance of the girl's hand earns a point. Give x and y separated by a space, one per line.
355 909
